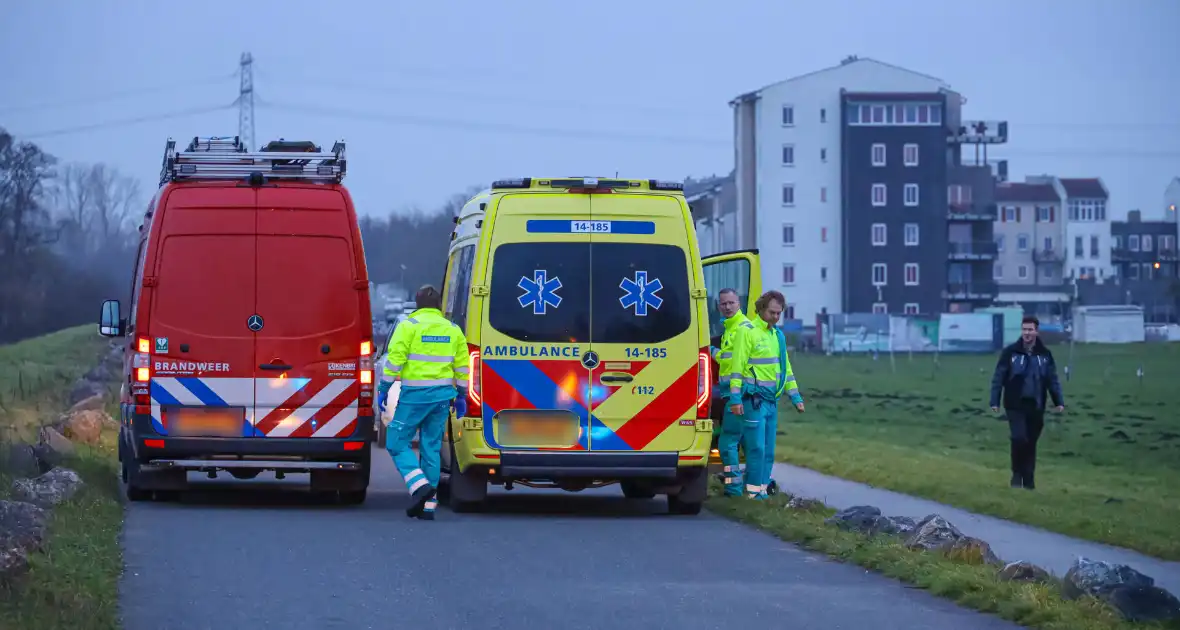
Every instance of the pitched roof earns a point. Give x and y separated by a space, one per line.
851 60
1084 188
1016 192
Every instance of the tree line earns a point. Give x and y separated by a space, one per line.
69 233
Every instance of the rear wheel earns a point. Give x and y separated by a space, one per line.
464 491
354 497
691 498
633 490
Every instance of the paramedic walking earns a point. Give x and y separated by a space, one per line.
1026 376
729 385
770 309
428 354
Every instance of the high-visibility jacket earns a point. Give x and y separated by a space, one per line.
786 377
428 354
730 377
756 359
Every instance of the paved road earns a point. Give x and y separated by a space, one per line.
229 556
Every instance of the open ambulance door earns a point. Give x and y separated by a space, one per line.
742 272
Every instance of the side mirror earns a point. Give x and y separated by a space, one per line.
110 324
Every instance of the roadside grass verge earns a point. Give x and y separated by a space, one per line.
970 585
1108 469
73 581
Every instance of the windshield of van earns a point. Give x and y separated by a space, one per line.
641 293
540 292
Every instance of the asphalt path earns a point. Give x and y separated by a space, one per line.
265 554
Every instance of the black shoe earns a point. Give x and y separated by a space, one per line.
1029 483
426 515
420 496
1017 481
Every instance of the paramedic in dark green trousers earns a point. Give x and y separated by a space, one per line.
730 385
1026 376
770 309
428 354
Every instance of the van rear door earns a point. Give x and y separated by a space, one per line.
642 328
202 294
308 325
535 391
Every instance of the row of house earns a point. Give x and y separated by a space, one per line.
865 189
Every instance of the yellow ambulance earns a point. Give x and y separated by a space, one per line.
588 311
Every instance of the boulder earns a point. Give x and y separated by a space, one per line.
49 489
865 519
971 550
84 389
53 446
903 524
933 533
93 403
85 426
1023 572
22 531
19 460
1132 593
805 504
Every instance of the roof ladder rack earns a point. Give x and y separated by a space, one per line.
226 158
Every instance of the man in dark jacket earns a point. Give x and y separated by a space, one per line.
1025 373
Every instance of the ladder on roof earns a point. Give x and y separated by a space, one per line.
226 158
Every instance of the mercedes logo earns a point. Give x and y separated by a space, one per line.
254 323
590 360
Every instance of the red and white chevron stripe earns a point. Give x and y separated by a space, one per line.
309 408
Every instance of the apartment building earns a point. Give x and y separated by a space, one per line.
1030 235
1144 250
713 202
1087 227
842 182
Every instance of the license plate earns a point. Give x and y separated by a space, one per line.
205 421
556 429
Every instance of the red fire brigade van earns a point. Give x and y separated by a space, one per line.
249 333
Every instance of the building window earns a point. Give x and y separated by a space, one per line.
823 235
788 155
1010 213
879 274
997 271
823 274
788 115
788 235
1078 249
1047 273
788 274
1144 243
1044 214
909 155
911 308
999 242
911 274
1117 242
1022 242
788 194
823 194
879 234
1048 245
895 114
1167 243
910 193
823 155
1022 271
789 311
880 308
1133 271
911 234
1094 245
958 194
879 196
1132 242
1086 210
878 155
823 115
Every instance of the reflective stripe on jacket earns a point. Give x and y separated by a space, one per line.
428 354
786 377
730 373
756 356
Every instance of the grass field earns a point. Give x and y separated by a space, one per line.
73 582
1108 469
971 585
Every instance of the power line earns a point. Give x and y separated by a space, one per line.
423 121
123 122
114 96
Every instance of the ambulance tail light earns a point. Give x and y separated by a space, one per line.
474 396
704 384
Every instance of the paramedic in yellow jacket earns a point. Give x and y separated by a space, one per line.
759 374
428 354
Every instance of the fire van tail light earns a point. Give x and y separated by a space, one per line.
704 382
365 366
143 345
474 380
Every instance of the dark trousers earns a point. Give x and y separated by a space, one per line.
1025 425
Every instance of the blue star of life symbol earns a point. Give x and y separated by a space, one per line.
540 291
641 293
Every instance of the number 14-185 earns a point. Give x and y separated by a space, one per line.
647 353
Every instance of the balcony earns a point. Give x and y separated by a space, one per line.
1167 254
980 250
1044 256
980 291
972 211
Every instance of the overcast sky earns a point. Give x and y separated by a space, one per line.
435 97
